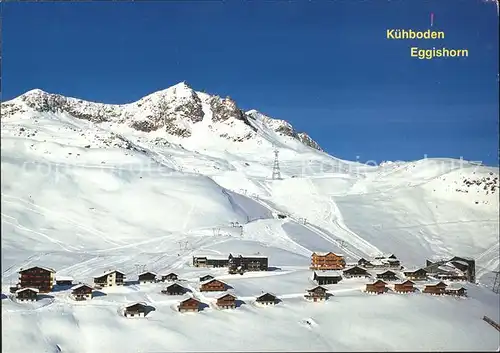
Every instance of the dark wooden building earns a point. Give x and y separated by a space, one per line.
356 271
267 299
226 301
27 294
416 275
213 285
109 279
136 310
327 277
437 289
387 275
467 265
41 278
404 287
82 292
241 264
365 263
459 292
174 289
170 277
190 304
206 278
210 261
377 287
147 277
316 294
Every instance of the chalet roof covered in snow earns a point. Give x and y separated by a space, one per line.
64 278
81 285
134 304
41 267
27 288
253 256
147 272
107 273
324 253
211 280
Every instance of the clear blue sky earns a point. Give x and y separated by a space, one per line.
325 66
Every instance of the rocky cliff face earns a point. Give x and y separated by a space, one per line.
174 110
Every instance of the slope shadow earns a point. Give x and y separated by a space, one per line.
97 294
131 283
272 268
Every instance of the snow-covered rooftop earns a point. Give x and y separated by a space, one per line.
106 273
27 288
80 286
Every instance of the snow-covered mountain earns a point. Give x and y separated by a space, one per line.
178 111
89 186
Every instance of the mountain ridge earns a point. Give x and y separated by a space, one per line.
175 109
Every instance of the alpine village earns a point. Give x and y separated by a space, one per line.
382 274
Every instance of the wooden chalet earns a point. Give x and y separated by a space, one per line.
405 287
64 281
174 289
387 275
377 287
170 277
147 277
213 285
206 278
327 261
82 292
356 271
459 292
109 279
327 277
316 294
365 263
437 289
244 263
416 275
136 310
451 276
27 294
226 301
190 304
41 278
267 299
210 261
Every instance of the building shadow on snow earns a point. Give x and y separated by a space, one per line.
239 303
60 288
131 283
4 296
274 268
148 309
97 294
203 306
44 296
